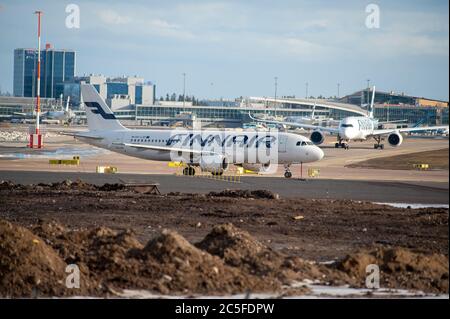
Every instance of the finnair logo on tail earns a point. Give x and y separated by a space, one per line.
97 109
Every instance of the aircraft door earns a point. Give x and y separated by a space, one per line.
282 143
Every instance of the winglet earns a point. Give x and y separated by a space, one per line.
371 110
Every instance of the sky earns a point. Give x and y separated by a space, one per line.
237 48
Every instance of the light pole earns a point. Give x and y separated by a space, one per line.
276 86
306 94
387 115
184 89
338 86
368 91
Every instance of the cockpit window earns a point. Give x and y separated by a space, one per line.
346 125
303 143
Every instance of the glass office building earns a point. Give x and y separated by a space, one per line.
413 114
57 66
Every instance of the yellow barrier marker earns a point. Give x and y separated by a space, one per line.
421 166
74 161
106 169
175 164
313 172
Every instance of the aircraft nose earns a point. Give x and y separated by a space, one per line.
317 154
347 133
314 154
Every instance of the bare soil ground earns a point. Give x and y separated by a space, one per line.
218 243
435 159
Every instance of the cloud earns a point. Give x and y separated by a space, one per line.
407 45
288 46
163 28
112 17
135 21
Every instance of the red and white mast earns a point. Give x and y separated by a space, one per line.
36 138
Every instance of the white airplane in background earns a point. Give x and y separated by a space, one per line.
311 119
65 115
358 128
192 147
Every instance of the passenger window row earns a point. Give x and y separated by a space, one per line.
148 140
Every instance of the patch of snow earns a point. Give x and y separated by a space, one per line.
413 206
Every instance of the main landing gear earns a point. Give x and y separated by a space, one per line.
378 145
189 171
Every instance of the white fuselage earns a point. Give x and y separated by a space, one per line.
238 147
357 127
302 119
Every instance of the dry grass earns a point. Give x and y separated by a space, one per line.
435 159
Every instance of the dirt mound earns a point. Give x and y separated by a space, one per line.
184 268
167 264
111 187
8 185
241 193
28 266
66 184
239 249
228 260
80 185
400 268
103 254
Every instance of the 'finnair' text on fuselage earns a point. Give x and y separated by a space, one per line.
359 127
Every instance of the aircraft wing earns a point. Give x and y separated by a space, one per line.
299 125
169 149
390 122
81 134
22 114
42 114
409 129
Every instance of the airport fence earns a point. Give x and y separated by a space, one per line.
231 175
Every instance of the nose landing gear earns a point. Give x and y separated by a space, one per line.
287 171
189 171
341 144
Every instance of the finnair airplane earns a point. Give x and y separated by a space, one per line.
65 115
208 150
357 128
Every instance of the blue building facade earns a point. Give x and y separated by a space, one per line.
57 66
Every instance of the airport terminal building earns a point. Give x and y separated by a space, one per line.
133 100
226 114
234 114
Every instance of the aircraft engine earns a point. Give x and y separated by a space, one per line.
257 168
216 164
317 137
395 139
